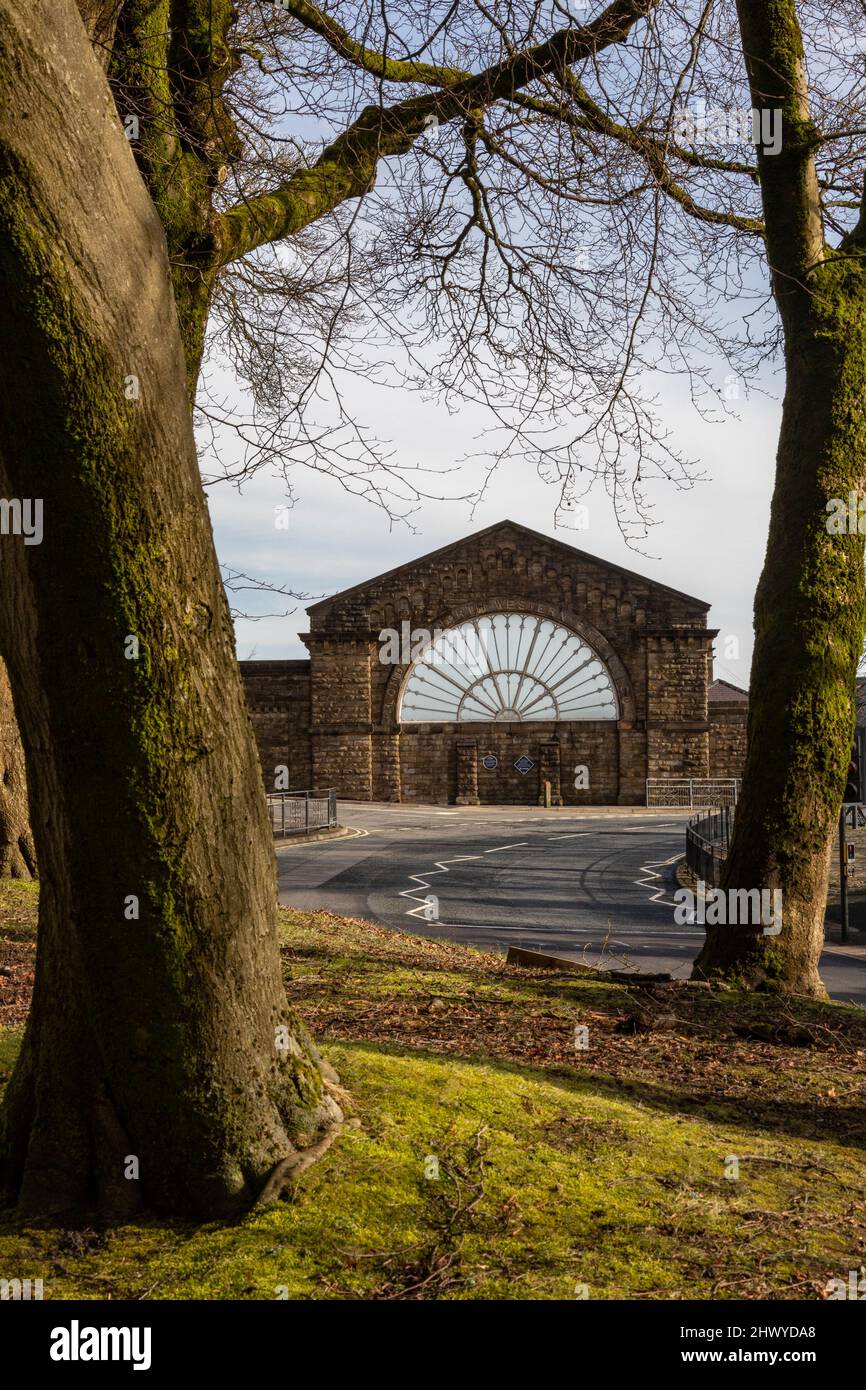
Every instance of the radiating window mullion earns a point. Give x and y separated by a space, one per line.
525 671
517 666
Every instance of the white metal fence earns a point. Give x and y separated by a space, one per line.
692 793
296 813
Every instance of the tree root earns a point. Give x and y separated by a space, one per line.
285 1173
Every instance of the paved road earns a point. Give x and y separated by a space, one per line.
593 886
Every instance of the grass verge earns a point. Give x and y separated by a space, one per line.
700 1145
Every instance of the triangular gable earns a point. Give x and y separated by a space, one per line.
518 530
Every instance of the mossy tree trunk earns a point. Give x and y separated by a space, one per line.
185 139
160 1065
169 63
809 606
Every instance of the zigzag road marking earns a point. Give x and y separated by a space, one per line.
440 868
648 882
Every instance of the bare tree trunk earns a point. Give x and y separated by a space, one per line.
17 855
809 607
160 1064
809 617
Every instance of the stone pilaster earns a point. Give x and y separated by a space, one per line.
340 701
550 770
467 772
386 767
678 669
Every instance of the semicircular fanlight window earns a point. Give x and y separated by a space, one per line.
507 667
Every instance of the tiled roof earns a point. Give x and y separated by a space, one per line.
723 691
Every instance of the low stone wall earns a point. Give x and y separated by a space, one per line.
278 699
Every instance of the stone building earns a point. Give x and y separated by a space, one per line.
728 710
485 670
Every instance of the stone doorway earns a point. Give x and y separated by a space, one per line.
506 767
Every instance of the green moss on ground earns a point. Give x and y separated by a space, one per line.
19 903
556 1169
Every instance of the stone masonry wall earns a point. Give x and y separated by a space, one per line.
429 761
679 666
278 699
335 719
653 640
728 739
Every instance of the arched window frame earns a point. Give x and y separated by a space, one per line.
508 666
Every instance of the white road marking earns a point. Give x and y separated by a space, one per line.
422 903
647 882
645 830
418 878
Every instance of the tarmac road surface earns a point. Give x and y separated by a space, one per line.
594 886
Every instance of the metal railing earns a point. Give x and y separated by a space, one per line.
692 792
708 839
297 813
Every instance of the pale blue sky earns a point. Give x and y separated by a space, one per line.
709 541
